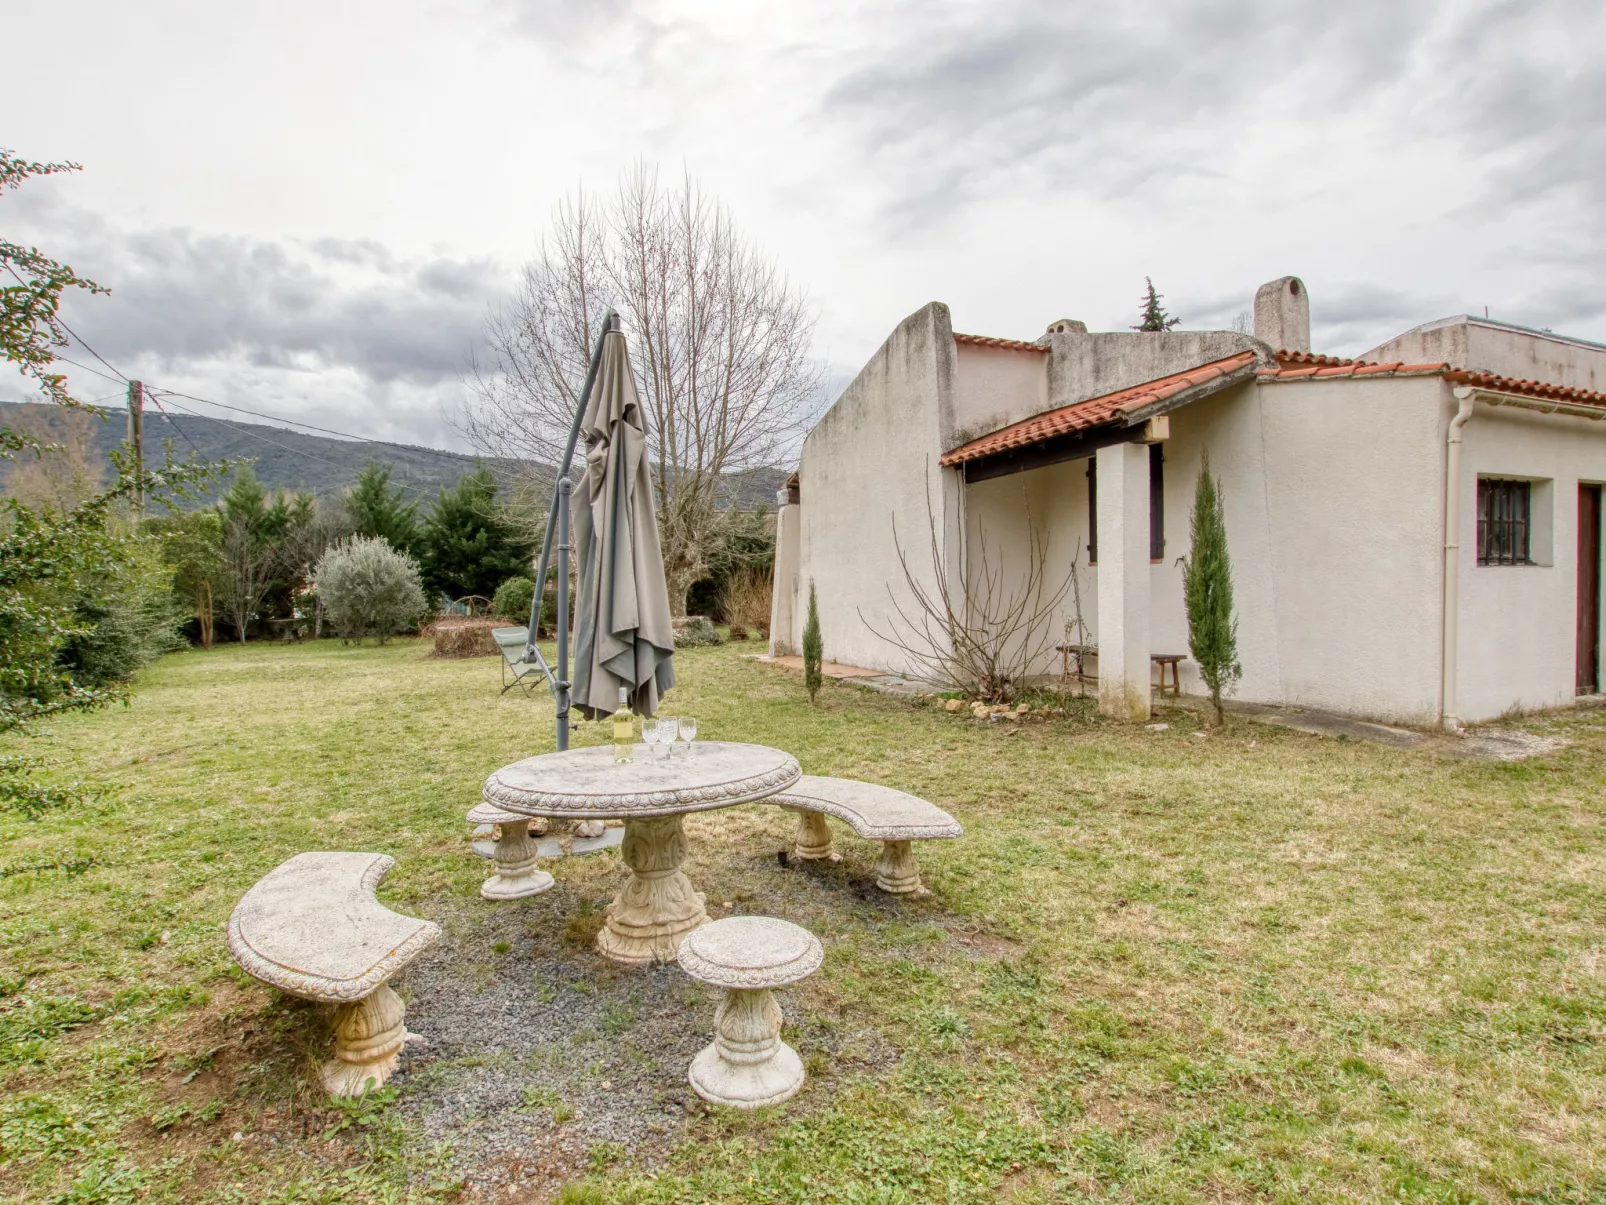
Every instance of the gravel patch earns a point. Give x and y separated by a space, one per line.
545 1060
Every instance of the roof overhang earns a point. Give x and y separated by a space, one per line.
1523 401
1076 431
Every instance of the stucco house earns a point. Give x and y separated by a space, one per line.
1415 533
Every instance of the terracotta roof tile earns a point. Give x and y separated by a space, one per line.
1539 389
1006 344
1304 366
1094 412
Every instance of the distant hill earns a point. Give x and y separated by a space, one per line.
320 464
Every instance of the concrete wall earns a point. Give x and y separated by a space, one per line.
1518 622
786 596
1353 476
993 387
1084 366
869 468
1509 351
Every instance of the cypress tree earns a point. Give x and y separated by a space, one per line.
1154 317
378 510
1207 588
813 649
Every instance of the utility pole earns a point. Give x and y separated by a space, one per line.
136 440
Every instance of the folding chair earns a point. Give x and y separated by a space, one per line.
511 642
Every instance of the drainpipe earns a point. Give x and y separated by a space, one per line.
1452 560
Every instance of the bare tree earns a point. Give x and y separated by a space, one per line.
972 622
65 469
718 337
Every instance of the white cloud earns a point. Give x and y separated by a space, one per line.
311 203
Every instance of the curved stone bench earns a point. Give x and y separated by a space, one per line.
895 818
313 927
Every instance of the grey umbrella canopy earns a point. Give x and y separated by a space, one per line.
623 637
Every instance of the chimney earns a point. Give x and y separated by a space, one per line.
1067 326
1282 314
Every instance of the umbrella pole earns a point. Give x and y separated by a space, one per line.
565 488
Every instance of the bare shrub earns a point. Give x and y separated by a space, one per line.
978 627
744 601
455 636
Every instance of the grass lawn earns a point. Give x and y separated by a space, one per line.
1158 967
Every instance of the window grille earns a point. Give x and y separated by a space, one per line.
1503 522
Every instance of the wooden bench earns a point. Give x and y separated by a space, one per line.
1081 652
895 818
314 928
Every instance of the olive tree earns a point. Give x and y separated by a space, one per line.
367 588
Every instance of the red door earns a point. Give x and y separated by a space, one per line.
1588 678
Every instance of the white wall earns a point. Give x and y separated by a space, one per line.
1354 499
994 387
1518 622
870 467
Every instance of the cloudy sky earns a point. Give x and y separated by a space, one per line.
305 208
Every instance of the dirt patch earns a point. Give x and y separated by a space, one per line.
1505 744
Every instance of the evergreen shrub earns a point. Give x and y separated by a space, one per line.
367 588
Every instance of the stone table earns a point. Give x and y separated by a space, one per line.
657 906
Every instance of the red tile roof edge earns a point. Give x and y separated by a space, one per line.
1005 344
1526 388
1308 366
1094 412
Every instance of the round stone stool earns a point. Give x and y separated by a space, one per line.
514 857
747 1065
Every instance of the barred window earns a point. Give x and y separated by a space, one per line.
1503 522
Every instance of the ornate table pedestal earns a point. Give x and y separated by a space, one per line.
657 906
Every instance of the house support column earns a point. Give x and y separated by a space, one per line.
1123 583
788 553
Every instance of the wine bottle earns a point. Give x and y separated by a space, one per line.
624 729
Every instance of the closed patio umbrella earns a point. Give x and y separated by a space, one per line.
623 637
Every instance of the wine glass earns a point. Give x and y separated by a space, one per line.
666 734
687 725
649 736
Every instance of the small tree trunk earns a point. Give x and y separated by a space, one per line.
206 616
679 580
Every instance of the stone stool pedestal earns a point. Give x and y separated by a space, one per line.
514 858
747 1065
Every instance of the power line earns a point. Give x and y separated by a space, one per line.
389 443
61 322
182 433
87 368
245 429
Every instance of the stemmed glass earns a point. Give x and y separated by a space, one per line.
649 735
666 734
687 725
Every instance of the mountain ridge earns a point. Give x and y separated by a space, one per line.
323 465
